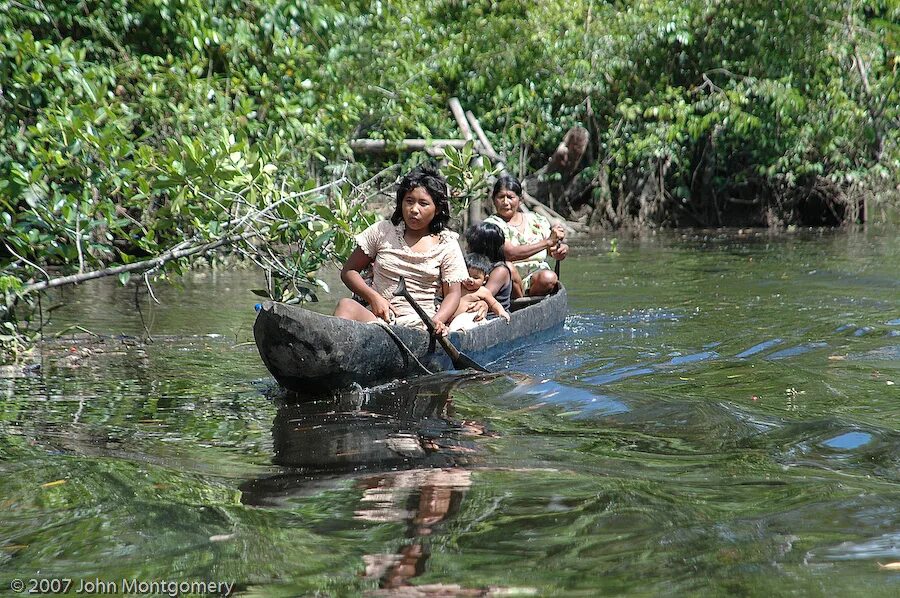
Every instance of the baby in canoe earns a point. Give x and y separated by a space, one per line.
474 290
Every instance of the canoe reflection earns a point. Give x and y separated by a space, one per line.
401 446
407 426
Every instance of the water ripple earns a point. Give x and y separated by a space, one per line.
798 350
759 348
886 546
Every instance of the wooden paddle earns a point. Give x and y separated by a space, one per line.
461 361
556 270
556 267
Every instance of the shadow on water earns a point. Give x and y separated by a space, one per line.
407 425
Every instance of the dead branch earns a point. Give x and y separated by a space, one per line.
155 262
459 115
378 146
474 211
489 151
548 213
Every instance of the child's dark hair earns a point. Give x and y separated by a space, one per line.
508 182
434 183
477 261
487 239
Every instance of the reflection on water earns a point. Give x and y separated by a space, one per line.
407 434
408 425
420 498
720 418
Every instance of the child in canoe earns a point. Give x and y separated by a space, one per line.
490 278
414 243
479 266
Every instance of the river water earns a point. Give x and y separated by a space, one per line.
719 417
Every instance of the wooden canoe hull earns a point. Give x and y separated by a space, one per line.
308 352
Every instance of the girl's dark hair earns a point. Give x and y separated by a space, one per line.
487 239
508 182
434 183
477 261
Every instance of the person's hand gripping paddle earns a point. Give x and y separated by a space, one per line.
460 361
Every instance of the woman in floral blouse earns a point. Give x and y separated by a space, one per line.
529 237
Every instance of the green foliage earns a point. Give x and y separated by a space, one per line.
131 127
467 180
770 103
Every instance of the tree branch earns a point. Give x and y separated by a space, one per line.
155 262
32 264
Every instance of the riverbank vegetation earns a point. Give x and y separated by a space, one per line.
137 135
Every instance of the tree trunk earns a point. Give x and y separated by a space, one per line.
549 183
604 213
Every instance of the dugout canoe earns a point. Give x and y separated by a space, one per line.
308 352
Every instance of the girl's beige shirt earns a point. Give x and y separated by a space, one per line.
424 272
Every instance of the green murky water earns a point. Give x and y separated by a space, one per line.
721 417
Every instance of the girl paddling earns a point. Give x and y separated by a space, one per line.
416 244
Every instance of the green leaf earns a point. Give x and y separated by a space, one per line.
325 212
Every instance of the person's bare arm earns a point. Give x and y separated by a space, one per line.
485 295
517 253
351 277
448 308
497 279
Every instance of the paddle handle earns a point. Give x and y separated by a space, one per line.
452 351
447 345
556 267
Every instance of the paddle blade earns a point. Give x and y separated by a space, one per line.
463 361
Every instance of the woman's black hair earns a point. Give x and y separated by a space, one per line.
508 182
435 184
487 239
477 261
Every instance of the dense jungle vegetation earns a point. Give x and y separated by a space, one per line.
138 135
